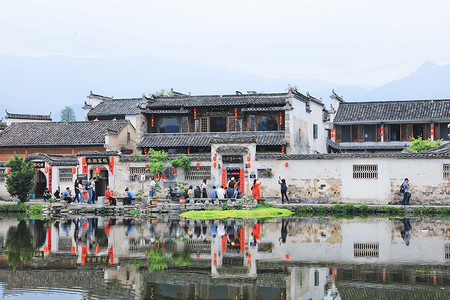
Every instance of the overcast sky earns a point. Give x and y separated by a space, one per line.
365 43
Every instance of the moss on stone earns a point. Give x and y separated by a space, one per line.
261 213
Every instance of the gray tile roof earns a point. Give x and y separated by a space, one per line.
114 107
167 111
232 149
59 133
368 145
204 139
393 111
192 157
220 100
28 117
272 108
54 160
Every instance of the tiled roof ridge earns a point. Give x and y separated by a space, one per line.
225 95
394 101
28 116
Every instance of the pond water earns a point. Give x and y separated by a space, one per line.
169 258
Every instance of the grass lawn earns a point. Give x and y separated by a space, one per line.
238 214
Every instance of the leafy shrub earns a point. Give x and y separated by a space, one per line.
419 145
225 207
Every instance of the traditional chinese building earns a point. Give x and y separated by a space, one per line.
386 126
20 118
52 146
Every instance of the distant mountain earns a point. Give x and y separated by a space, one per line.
39 85
429 81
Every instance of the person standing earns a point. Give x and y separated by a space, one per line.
236 189
282 183
94 194
230 185
77 191
255 189
151 193
406 195
197 192
89 189
204 190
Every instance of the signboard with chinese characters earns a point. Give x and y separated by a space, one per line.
39 164
232 159
97 160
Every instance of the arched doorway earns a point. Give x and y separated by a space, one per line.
41 184
102 181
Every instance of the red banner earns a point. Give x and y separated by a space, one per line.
242 238
224 177
224 243
242 181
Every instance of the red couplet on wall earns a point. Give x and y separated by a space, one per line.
111 159
242 180
224 177
83 160
74 170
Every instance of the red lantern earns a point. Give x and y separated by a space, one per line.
188 150
163 176
214 158
281 118
248 158
8 171
73 250
74 170
174 171
97 249
195 113
282 149
198 254
215 165
153 120
287 256
198 165
249 262
235 113
146 166
83 161
46 170
381 131
145 150
248 165
97 170
156 176
286 164
332 132
431 129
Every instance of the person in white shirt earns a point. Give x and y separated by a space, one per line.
220 193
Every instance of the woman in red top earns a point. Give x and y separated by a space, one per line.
255 189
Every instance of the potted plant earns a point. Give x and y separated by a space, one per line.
182 188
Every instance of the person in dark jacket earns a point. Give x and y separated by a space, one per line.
197 192
283 185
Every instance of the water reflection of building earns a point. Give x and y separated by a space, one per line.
318 258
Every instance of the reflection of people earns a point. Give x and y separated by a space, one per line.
284 224
256 232
255 189
406 232
406 194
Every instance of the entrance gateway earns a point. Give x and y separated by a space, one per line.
233 166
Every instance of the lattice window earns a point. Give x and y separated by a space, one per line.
251 123
365 171
185 124
203 172
2 174
366 249
168 173
239 125
447 251
65 244
65 174
139 174
315 131
264 173
446 171
204 125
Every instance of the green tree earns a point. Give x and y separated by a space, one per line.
68 114
419 145
20 245
20 181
